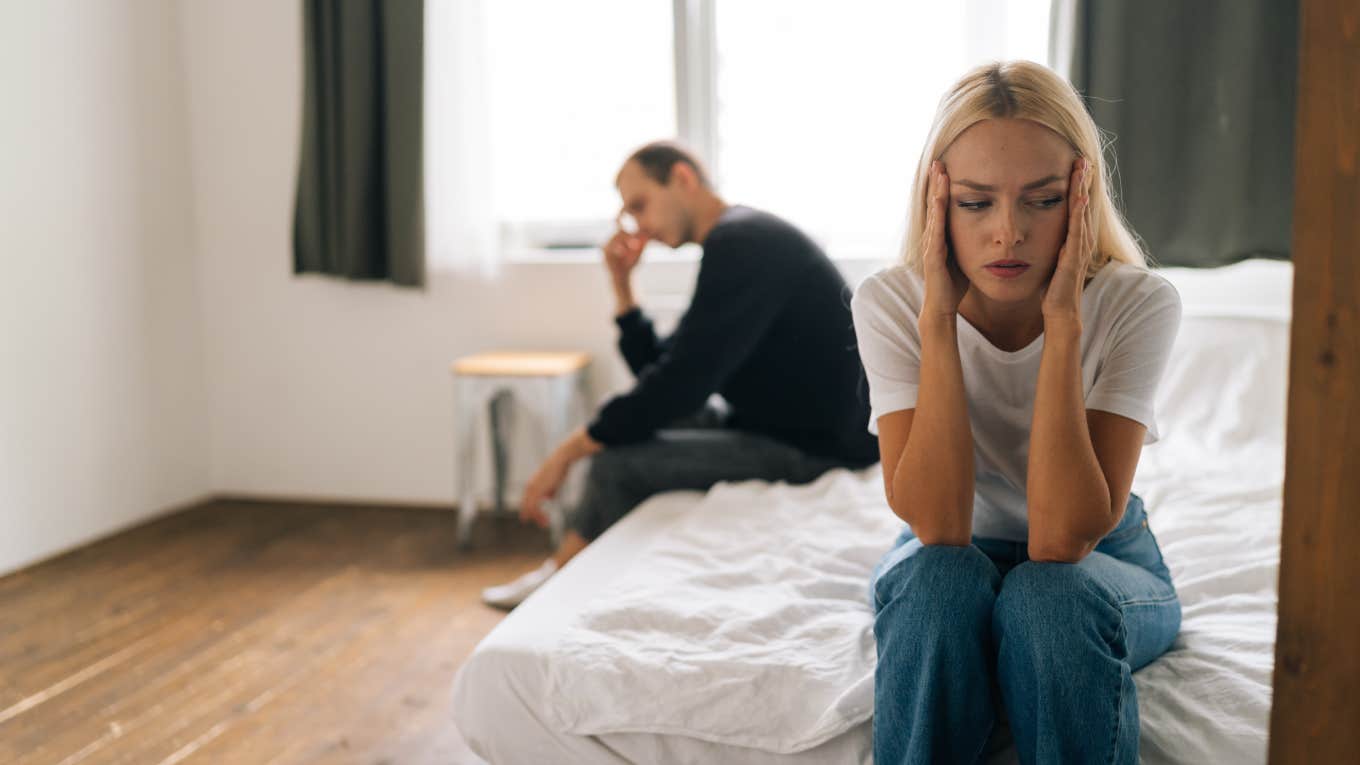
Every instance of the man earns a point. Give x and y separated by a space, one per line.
769 328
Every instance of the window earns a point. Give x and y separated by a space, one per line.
813 110
823 108
573 87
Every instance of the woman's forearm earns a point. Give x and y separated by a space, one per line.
1068 499
933 482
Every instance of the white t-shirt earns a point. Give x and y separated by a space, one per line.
1129 321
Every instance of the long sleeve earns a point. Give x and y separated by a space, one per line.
740 291
638 342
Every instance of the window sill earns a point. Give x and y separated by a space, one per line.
544 256
685 255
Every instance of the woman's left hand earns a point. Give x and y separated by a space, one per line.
1062 294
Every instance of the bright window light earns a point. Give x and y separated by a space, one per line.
823 107
573 87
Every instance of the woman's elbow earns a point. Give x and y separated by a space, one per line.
934 531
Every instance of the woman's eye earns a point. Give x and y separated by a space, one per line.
1050 202
973 205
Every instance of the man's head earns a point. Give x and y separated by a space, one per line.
664 187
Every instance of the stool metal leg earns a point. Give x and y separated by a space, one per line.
469 406
499 411
559 417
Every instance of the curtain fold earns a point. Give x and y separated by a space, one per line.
359 210
1199 100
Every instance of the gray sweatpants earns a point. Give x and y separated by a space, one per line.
694 453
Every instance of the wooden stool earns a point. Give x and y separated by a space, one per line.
553 384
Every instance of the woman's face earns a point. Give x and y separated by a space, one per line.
1008 205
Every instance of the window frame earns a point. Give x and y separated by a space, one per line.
694 45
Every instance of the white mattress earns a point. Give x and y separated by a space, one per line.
501 693
1213 488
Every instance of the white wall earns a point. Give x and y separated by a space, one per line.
318 387
156 345
102 397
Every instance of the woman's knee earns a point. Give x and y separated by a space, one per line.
1056 607
941 579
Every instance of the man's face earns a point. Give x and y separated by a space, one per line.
660 211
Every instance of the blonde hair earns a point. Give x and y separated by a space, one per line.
1024 90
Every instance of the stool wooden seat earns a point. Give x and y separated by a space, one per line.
522 363
550 384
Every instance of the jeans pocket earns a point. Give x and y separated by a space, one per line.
1133 542
1130 526
1160 568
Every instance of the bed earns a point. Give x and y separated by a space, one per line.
733 627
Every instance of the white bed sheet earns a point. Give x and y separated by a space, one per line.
1207 700
500 699
1213 488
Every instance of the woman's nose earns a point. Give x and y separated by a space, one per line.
1007 232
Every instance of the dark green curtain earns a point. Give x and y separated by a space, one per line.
360 196
1200 99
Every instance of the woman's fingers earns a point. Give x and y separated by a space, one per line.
1085 186
937 193
941 203
928 235
1088 225
1073 249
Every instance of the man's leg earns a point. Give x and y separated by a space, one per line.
572 543
707 417
621 478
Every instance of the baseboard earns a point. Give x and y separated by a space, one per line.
154 515
301 500
313 500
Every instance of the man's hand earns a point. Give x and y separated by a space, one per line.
552 473
542 487
621 255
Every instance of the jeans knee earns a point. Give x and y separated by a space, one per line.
1055 607
940 581
617 470
608 463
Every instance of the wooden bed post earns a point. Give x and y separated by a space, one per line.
1316 712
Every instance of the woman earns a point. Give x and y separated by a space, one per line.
1013 358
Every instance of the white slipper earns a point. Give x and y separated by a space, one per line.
509 595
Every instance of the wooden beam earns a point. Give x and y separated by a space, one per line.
1316 713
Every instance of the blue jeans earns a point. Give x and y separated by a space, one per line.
966 632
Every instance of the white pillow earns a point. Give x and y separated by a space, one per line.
1223 395
1249 289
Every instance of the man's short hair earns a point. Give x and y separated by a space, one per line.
658 158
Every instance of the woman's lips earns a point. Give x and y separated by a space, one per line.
1011 271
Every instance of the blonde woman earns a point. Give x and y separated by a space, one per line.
1013 358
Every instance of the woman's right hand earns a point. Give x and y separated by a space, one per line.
946 283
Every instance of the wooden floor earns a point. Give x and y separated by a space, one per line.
251 633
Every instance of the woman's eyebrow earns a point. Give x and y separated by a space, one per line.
1031 185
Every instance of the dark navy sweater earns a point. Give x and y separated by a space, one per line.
769 328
